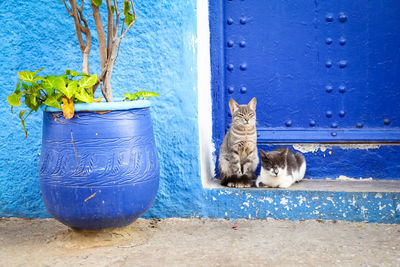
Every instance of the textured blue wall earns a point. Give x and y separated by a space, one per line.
157 55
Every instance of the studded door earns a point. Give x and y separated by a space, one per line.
322 71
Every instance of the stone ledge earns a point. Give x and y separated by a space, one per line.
338 185
347 200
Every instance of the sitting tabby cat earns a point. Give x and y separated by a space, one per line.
281 168
238 156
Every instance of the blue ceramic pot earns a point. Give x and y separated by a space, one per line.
99 169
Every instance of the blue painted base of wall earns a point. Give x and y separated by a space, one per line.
304 205
369 201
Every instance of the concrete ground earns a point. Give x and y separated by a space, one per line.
195 242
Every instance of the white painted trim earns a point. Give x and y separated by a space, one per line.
207 147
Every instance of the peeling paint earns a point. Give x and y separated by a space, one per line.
312 148
345 178
270 200
378 195
331 200
284 201
301 200
363 209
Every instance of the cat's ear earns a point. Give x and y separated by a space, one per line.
253 103
233 105
285 152
263 154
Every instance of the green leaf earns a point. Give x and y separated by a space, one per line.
112 9
73 73
60 85
97 2
31 101
50 85
28 76
129 96
128 19
88 81
53 101
139 95
127 8
14 99
18 86
21 113
83 95
38 78
71 89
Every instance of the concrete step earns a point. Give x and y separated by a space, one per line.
312 199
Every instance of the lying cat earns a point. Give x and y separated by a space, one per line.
281 168
238 157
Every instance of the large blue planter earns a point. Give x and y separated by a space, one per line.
99 169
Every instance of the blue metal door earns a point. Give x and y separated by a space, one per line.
322 71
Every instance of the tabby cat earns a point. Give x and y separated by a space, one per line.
238 157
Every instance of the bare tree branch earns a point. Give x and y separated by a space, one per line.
122 30
116 18
100 34
79 28
78 24
110 29
118 43
86 28
133 10
65 4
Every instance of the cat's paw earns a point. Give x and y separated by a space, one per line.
242 185
284 185
239 184
231 184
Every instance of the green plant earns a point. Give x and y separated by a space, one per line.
56 91
139 95
63 91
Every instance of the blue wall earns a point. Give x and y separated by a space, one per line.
157 55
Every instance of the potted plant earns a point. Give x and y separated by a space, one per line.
98 163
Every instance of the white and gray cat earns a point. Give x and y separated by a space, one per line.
281 168
238 157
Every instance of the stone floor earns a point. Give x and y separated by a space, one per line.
197 242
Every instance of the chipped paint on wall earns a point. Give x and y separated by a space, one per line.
312 148
303 205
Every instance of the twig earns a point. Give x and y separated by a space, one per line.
82 1
110 29
65 4
116 18
122 36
